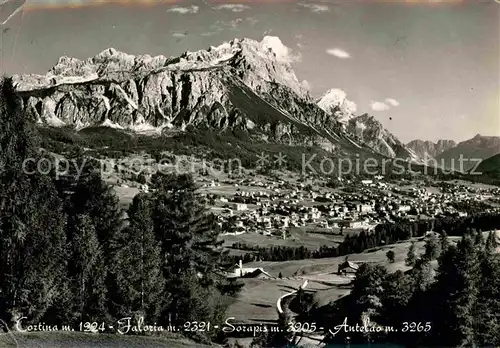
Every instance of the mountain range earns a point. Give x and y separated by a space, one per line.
428 149
463 156
239 86
471 152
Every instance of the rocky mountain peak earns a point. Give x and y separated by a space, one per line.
251 60
371 132
267 60
256 63
244 85
232 85
441 143
428 149
335 102
483 140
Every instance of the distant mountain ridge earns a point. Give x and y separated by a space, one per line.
132 90
470 151
428 149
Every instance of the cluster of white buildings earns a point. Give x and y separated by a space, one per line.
269 207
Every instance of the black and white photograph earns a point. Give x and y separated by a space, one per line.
249 173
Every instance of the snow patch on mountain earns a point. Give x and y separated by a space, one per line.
387 148
146 128
335 102
283 53
110 124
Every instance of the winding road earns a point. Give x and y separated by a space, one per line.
278 303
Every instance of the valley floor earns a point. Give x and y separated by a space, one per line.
257 301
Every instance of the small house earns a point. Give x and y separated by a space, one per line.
239 271
239 206
347 267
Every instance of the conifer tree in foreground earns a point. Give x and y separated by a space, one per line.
398 290
93 197
488 306
32 239
85 194
432 247
191 253
367 291
445 243
137 265
423 274
491 242
411 256
184 226
87 271
456 292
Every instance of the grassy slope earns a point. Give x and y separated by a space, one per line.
257 302
490 166
308 240
82 340
115 143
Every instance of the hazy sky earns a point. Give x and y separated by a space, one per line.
426 69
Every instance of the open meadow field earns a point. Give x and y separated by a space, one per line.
309 240
125 195
257 301
472 184
329 265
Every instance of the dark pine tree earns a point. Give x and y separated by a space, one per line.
87 271
445 243
398 291
367 292
491 242
390 256
32 239
432 247
86 194
137 265
191 252
456 293
488 304
411 256
96 199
